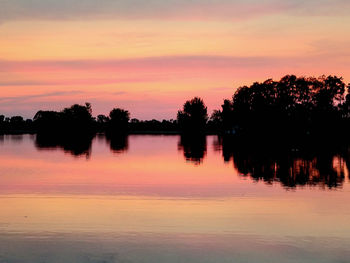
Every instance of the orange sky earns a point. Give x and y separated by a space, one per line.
150 58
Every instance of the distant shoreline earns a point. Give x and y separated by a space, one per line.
293 109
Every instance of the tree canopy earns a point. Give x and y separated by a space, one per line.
118 120
194 116
293 105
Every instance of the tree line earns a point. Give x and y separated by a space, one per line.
291 107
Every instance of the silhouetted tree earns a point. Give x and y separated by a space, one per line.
78 119
344 109
118 121
48 121
215 123
102 122
153 126
75 120
102 118
16 123
193 117
291 107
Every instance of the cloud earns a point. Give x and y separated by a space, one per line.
18 99
170 69
155 68
60 81
137 63
164 9
119 93
21 83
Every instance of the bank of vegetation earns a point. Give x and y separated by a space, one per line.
293 107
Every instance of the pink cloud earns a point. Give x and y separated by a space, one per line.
161 69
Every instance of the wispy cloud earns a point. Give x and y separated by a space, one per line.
144 72
61 81
155 66
23 98
137 63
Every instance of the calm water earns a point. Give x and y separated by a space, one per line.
167 199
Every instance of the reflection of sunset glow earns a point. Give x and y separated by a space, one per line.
105 214
135 171
165 200
164 172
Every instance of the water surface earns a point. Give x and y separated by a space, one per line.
170 199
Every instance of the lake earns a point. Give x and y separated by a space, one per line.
170 199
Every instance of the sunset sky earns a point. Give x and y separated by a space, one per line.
150 56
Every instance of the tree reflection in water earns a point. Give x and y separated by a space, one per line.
311 164
118 143
194 148
74 145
